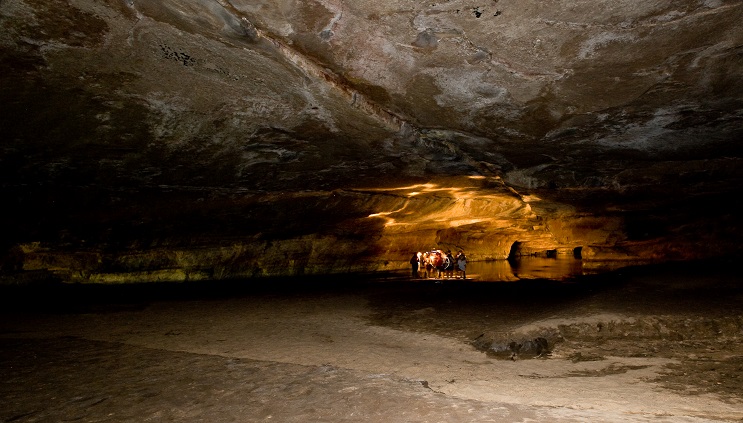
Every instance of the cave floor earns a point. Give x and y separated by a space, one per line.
660 345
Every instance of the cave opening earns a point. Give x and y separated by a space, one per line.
515 251
578 253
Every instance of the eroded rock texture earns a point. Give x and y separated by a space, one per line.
210 139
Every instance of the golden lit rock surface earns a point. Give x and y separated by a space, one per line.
212 139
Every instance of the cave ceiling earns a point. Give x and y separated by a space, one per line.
301 131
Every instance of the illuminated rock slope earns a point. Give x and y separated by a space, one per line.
209 139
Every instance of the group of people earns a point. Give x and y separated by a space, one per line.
438 264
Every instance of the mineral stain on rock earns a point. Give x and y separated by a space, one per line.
426 40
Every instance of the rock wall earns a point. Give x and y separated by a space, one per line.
170 140
343 232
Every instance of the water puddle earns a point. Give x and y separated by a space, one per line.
558 268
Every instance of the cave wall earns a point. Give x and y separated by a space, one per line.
164 140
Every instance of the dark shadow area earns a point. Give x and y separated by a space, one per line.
651 286
55 297
515 251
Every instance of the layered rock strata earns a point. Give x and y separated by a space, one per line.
213 139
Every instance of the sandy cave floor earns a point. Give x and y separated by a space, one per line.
641 345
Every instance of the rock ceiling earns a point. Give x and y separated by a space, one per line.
228 138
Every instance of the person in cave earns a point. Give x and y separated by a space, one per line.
449 265
425 265
461 260
437 262
430 267
414 265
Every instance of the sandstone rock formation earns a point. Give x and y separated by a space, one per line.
211 139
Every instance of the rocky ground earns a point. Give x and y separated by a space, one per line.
649 344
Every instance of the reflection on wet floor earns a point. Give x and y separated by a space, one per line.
558 268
